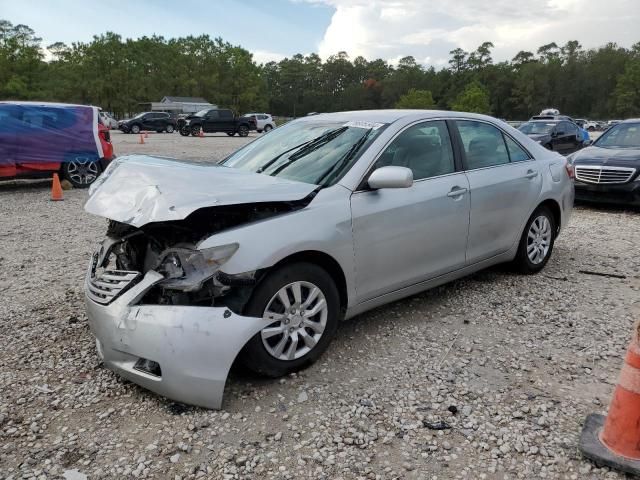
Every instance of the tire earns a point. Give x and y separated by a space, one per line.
195 130
169 129
535 249
135 129
231 134
259 354
80 171
185 131
267 128
243 130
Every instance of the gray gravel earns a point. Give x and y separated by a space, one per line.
488 377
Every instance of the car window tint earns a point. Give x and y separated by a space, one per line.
425 148
225 114
483 144
516 152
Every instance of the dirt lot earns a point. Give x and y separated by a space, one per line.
511 364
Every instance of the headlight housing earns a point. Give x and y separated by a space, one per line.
186 269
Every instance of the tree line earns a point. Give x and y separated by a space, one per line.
118 74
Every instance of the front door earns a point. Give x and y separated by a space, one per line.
408 235
505 182
210 121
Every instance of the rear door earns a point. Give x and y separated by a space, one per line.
227 121
505 183
405 236
9 126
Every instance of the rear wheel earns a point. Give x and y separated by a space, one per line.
536 243
169 129
231 134
267 128
243 130
81 170
301 308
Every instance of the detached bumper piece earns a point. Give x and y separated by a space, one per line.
181 352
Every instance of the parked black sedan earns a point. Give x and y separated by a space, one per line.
608 171
561 136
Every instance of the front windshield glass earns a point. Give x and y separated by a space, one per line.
201 113
623 135
140 115
317 152
536 128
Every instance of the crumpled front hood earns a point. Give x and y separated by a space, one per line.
141 189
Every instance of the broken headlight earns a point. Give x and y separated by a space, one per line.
185 269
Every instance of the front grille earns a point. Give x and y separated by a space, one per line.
105 286
599 174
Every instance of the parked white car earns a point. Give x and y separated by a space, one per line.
108 121
264 121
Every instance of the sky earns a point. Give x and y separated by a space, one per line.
388 29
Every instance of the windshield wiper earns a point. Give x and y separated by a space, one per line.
311 146
337 167
307 143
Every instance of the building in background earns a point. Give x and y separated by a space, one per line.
178 105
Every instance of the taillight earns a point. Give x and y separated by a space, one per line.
570 170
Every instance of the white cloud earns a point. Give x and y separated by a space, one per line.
265 56
429 29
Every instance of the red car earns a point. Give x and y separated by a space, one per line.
38 139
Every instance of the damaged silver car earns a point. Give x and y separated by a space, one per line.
259 257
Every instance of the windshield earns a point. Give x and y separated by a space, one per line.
311 152
536 128
140 115
201 113
622 135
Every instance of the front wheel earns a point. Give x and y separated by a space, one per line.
185 131
169 129
231 134
135 129
301 308
536 243
195 131
243 130
81 171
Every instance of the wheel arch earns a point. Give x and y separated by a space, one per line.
324 261
555 210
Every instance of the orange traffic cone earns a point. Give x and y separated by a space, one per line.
56 189
141 142
615 441
201 133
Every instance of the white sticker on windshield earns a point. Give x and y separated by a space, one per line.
363 124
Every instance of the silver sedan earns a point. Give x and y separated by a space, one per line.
260 257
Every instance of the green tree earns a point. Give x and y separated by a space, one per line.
416 99
474 98
627 92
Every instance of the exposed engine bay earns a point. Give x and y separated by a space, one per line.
192 276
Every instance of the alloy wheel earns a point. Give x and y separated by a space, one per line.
298 316
82 171
539 239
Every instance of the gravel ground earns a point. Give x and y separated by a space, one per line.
487 377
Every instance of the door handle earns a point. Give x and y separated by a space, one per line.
531 174
456 192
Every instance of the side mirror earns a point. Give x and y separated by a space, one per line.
390 177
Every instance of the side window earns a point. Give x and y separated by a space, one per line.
516 152
212 114
225 114
425 148
483 144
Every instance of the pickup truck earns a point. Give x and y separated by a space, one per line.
216 120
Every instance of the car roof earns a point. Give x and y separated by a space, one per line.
392 115
631 120
45 104
541 120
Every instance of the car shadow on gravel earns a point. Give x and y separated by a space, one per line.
14 185
606 207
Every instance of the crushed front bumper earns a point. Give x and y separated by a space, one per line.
193 346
